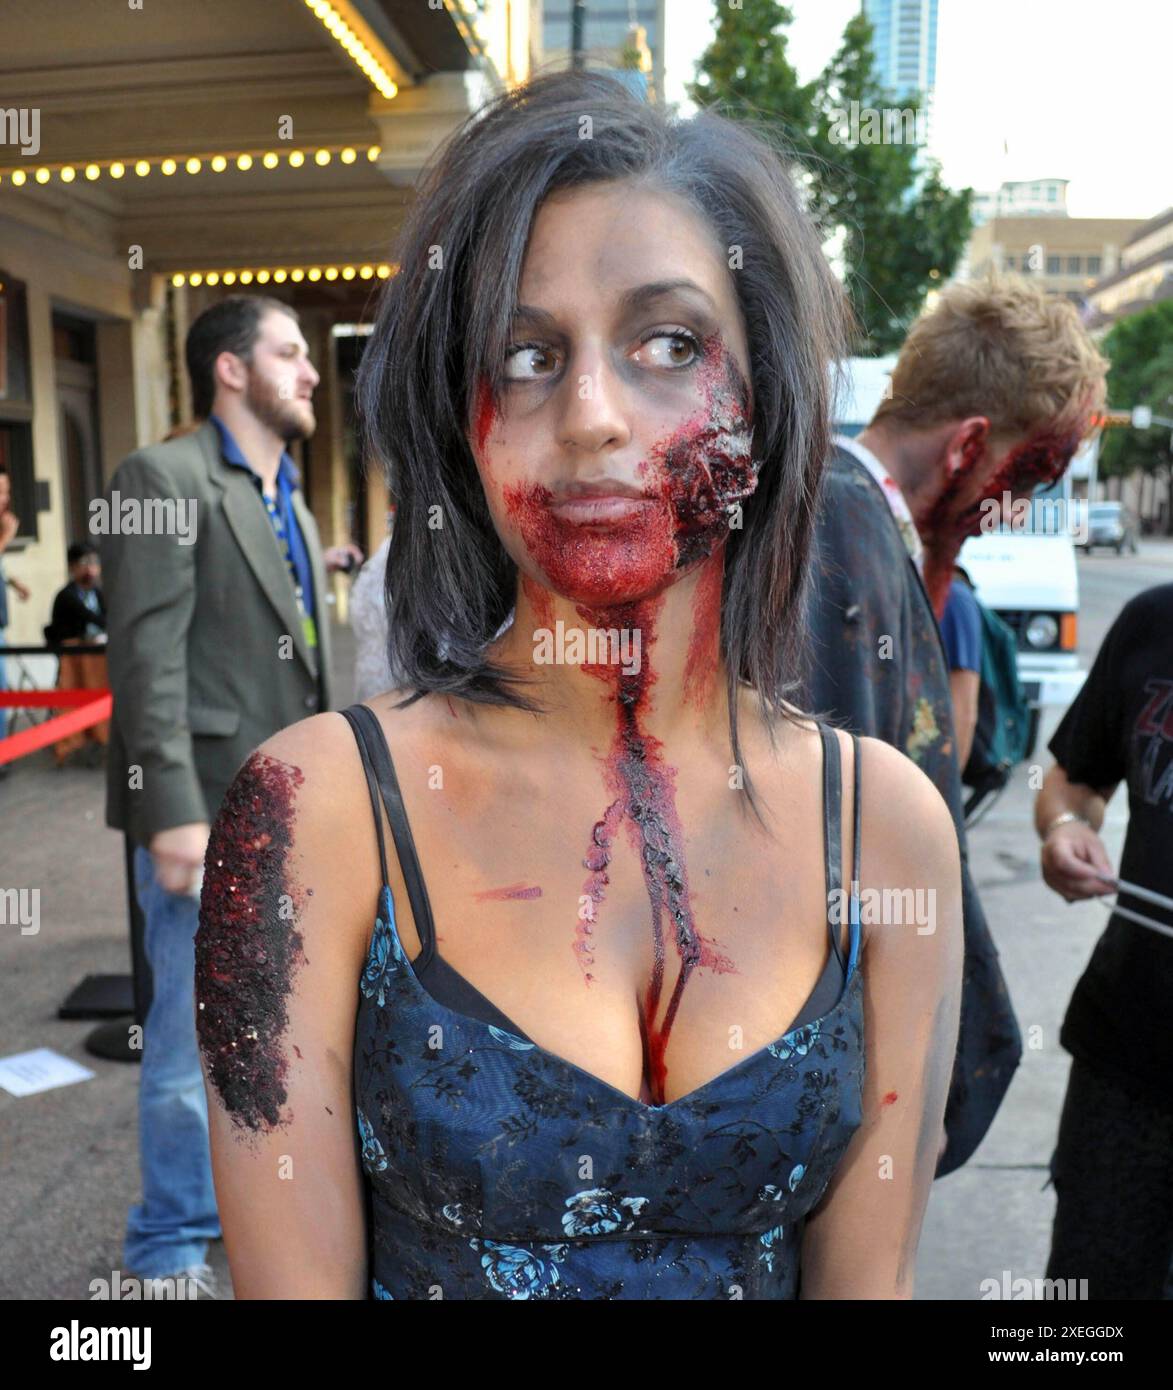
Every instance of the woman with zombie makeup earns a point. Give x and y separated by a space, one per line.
546 972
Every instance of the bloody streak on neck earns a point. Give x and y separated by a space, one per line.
704 645
541 601
645 784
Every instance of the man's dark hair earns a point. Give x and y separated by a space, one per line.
229 325
439 331
79 550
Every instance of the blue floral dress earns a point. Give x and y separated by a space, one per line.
496 1169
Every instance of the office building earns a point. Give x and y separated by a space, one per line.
905 42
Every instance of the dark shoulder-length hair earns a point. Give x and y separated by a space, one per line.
444 323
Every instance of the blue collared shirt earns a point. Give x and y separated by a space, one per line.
281 515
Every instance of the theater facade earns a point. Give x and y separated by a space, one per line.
155 155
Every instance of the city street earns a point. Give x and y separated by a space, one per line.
70 1157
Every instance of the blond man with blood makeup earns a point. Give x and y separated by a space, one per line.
990 397
992 393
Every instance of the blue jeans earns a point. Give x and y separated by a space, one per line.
169 1230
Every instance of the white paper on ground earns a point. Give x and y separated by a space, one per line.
26 1073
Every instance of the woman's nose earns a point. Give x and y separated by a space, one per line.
595 414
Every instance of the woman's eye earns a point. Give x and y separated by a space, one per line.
532 361
669 349
528 362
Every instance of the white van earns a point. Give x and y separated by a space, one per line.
1030 581
1026 573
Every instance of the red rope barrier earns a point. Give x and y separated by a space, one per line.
87 707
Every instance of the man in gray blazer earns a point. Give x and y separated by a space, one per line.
219 635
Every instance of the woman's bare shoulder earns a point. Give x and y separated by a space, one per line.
890 782
907 836
331 791
888 779
314 770
909 848
324 765
324 746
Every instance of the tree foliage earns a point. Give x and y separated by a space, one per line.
1140 349
901 230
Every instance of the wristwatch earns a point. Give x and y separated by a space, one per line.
1065 819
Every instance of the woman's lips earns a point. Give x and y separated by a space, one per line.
600 511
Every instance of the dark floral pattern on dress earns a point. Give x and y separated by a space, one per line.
796 1044
386 957
768 1240
374 1160
519 1273
598 1213
496 1169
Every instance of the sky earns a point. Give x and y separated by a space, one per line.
1026 89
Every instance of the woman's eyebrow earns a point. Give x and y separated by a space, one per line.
637 298
643 295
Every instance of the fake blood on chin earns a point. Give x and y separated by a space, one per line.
615 553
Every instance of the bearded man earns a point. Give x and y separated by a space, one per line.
218 637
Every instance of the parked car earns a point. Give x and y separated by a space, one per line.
1110 524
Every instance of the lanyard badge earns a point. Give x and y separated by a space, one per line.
308 627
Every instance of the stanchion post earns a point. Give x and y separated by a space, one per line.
139 964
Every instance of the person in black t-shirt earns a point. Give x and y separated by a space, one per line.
1113 1163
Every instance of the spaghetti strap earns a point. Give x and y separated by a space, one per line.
858 805
832 833
380 769
370 775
